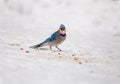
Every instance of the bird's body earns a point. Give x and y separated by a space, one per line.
55 39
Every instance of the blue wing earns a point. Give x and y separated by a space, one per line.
52 38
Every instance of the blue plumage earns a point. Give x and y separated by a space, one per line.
62 26
52 38
55 39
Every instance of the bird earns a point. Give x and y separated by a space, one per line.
55 39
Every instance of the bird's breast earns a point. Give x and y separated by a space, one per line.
58 40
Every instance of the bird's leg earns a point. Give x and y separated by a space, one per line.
50 47
58 48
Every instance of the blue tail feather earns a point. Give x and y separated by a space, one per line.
37 45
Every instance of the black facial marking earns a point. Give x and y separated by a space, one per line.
62 28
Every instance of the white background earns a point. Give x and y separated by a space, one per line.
90 54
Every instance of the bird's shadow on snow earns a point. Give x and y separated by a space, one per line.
44 49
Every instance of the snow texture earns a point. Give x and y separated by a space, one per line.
90 54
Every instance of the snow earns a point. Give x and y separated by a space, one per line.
90 54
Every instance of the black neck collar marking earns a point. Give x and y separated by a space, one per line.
63 35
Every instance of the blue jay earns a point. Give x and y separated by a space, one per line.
54 40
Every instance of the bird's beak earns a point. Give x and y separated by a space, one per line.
62 31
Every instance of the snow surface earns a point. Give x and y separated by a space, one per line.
90 54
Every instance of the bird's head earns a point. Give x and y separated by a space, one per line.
62 29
